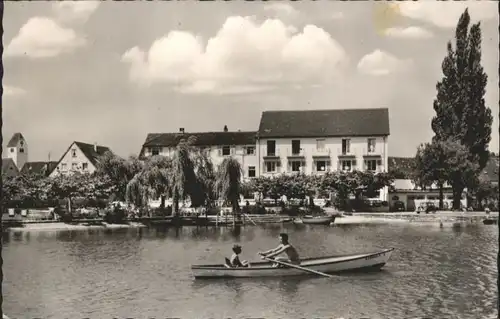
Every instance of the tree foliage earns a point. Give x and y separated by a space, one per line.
461 113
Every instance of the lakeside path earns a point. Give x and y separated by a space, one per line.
440 216
355 219
63 226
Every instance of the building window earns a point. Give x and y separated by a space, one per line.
295 147
322 166
251 171
74 166
63 166
271 167
250 150
21 143
21 150
347 165
320 144
296 166
73 152
346 146
12 150
271 148
85 166
226 150
155 151
371 165
371 145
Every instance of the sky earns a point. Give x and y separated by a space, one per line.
112 72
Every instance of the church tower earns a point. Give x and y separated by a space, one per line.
17 150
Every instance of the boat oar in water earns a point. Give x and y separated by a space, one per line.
298 267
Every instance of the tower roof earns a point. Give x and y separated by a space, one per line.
15 139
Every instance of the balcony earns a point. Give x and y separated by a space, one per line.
321 152
346 152
371 152
291 154
271 155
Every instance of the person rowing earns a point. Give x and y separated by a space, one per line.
284 247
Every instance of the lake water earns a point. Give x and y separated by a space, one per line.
145 273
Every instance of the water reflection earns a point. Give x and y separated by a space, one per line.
433 272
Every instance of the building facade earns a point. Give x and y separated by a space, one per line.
17 150
219 145
79 157
320 141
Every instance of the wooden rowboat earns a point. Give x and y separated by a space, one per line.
330 264
317 220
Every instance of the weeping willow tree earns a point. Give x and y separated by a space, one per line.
188 174
228 184
151 182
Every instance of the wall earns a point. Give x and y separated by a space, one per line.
238 152
65 165
409 197
332 150
19 158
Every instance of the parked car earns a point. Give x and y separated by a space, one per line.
427 207
398 206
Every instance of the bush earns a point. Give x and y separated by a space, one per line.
115 216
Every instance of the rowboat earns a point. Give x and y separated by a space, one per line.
330 264
490 221
317 220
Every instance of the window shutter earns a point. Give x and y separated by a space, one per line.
220 151
354 163
379 162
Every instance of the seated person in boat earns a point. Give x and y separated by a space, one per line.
235 259
284 247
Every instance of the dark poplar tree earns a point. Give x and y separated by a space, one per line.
460 108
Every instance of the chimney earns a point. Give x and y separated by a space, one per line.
181 130
95 147
225 128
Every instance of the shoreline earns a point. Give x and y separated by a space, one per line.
62 226
354 219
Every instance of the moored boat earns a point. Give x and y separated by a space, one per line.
317 220
329 264
490 221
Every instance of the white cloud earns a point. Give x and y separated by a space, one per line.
244 56
42 37
379 63
12 91
445 14
75 11
408 33
281 10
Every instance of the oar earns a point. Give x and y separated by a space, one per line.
298 267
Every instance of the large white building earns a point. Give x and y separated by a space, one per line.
318 141
312 141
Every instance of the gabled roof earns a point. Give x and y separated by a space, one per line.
202 138
92 152
15 139
6 162
325 123
42 168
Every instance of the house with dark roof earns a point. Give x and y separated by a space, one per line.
9 168
39 168
219 144
79 157
317 141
